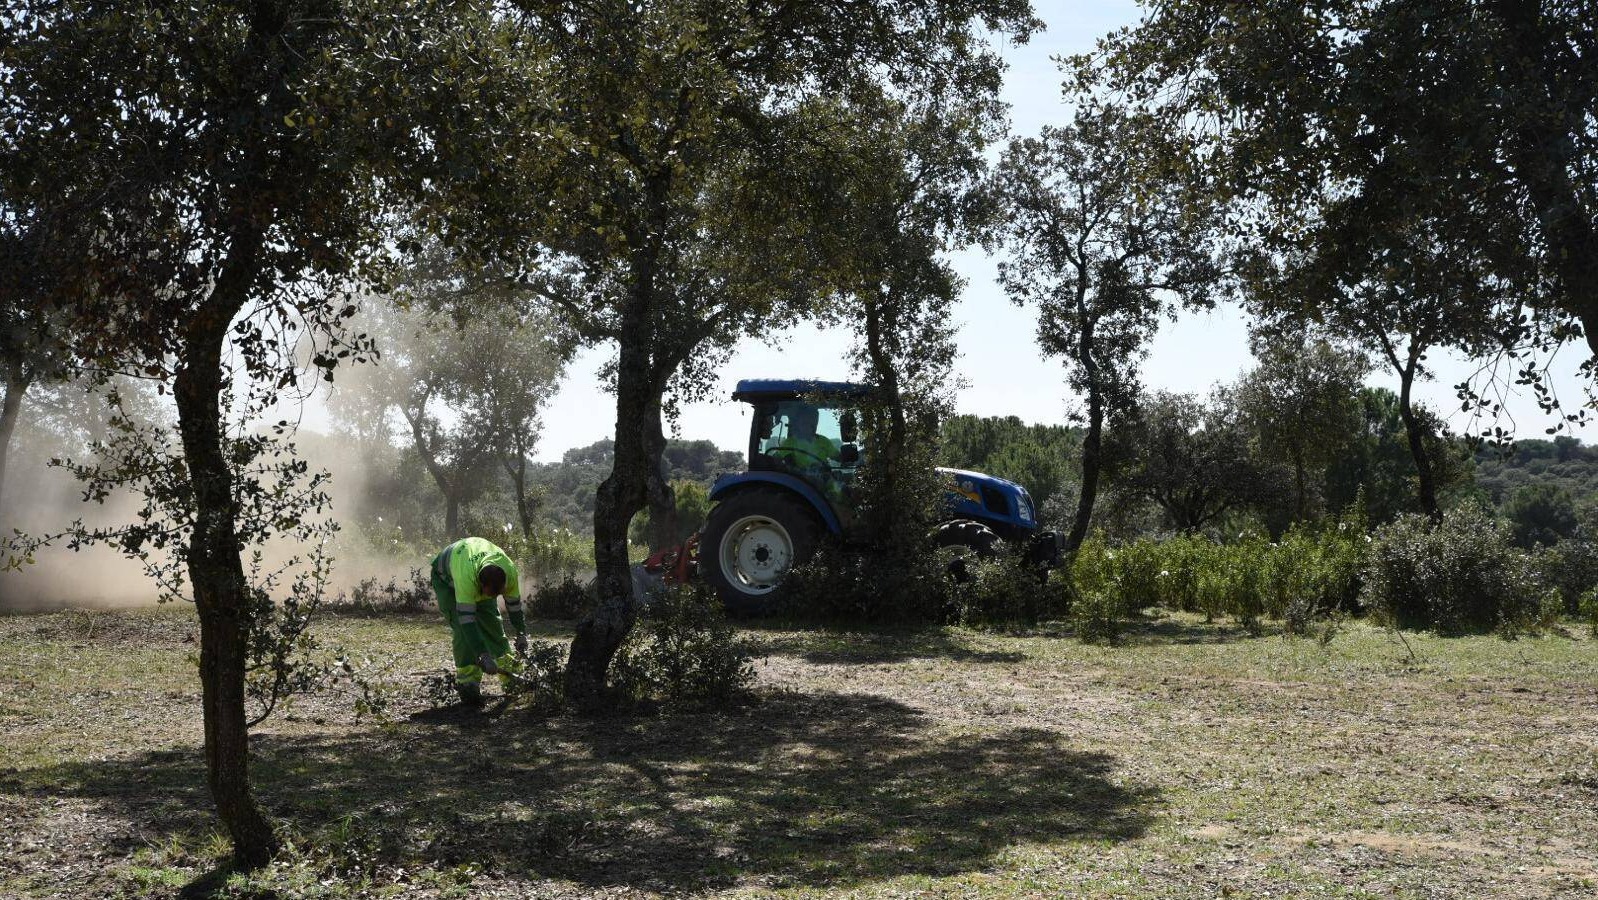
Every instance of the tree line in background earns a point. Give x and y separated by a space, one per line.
204 198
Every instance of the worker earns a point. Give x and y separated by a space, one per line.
801 447
468 578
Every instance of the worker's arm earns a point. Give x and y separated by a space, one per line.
463 569
513 594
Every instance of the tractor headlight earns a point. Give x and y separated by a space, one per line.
1023 505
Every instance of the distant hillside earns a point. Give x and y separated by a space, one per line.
568 486
1564 462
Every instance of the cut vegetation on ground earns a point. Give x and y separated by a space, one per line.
1190 761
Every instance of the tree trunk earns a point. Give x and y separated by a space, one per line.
1416 432
518 476
450 484
662 497
1092 442
890 455
16 386
620 496
452 515
217 574
1299 501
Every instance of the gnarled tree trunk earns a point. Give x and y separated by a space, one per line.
16 386
1092 442
890 454
215 569
620 496
1416 432
662 497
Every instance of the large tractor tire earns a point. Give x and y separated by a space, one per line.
972 540
750 540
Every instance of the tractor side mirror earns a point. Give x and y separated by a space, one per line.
849 456
849 427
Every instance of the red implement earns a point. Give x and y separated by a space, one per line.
676 565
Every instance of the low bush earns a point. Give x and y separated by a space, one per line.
683 651
567 598
1004 592
413 594
1314 572
1462 575
1232 581
549 555
1303 578
1589 609
1096 616
541 683
870 585
1569 567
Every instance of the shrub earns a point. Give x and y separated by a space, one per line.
1461 575
885 585
1571 568
549 555
373 597
682 652
1003 592
541 684
564 599
1589 609
1232 581
1096 616
1313 572
1092 570
1182 559
1141 575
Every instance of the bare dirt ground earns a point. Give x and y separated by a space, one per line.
1190 761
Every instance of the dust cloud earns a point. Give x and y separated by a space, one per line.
40 499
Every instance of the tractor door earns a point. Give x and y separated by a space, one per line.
818 442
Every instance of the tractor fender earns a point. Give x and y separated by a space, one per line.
727 485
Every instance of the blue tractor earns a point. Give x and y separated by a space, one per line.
805 449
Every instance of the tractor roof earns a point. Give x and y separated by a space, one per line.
751 389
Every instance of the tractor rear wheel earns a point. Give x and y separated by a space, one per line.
973 539
750 540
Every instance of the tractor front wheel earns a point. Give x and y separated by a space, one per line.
750 541
972 539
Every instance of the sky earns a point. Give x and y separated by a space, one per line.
1003 370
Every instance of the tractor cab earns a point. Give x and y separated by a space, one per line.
809 430
806 447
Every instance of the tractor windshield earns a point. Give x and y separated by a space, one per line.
818 441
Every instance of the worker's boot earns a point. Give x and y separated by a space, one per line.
471 694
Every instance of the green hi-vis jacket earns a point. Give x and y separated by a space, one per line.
478 622
806 452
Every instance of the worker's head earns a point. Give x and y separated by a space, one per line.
491 581
802 419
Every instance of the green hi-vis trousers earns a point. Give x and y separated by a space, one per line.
470 640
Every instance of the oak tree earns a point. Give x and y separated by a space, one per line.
1104 245
237 158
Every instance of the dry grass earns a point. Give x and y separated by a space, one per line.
1191 761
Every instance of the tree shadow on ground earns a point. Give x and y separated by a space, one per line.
872 647
820 790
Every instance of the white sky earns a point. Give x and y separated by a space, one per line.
1004 370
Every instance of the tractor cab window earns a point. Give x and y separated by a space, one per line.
804 437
